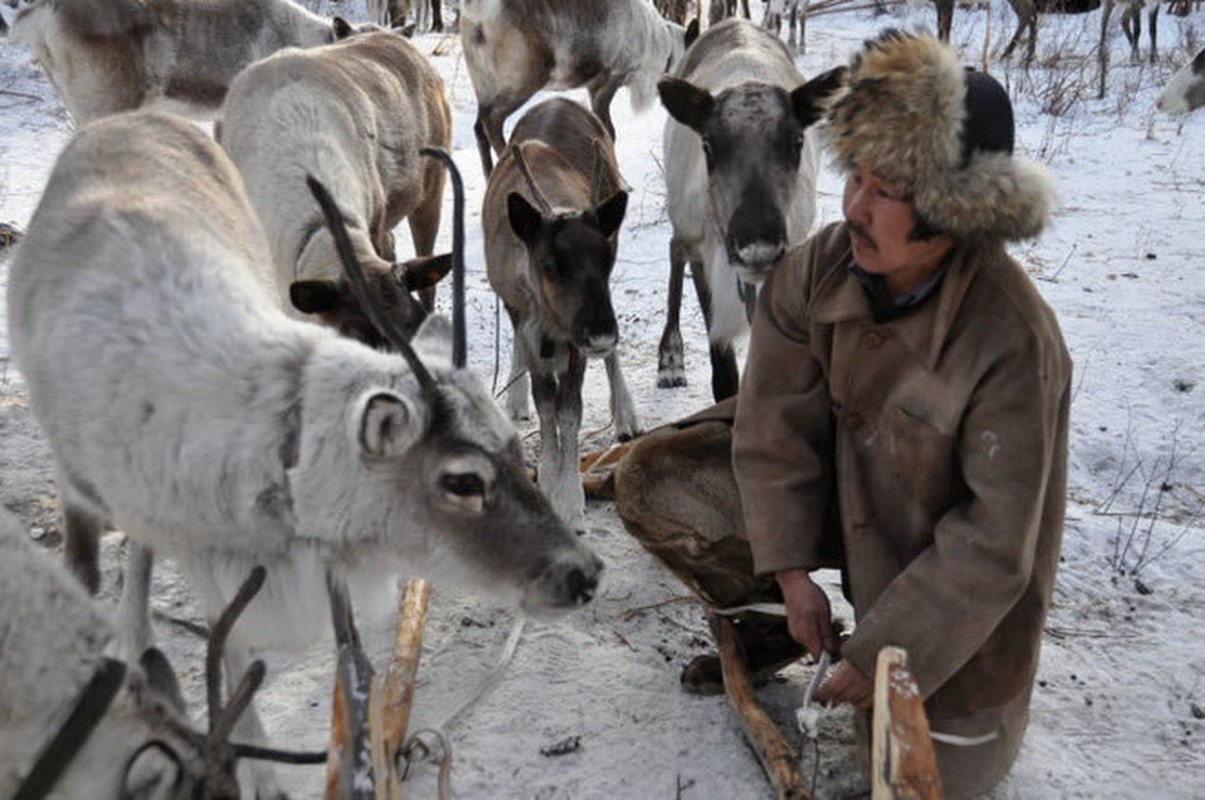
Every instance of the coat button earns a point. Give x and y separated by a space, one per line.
872 340
853 421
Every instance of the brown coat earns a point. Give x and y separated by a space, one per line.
937 442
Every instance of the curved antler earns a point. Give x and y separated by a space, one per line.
359 285
459 337
541 200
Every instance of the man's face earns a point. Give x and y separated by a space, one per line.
881 218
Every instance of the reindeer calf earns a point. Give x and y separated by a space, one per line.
182 404
551 215
354 115
105 56
740 172
514 48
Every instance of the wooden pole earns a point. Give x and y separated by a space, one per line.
902 761
393 690
778 759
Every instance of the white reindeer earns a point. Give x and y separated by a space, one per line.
354 115
514 48
551 214
76 724
184 406
105 56
740 172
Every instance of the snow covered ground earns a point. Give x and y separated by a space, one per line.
590 707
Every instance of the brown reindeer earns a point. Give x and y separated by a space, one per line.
371 103
551 215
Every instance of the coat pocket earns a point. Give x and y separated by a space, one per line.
922 460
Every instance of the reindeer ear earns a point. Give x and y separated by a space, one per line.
610 214
388 425
161 678
423 272
341 28
525 220
685 102
810 100
692 32
313 297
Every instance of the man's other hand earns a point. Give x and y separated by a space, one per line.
809 617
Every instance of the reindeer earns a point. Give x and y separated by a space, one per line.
184 406
370 103
551 215
1185 91
105 56
740 172
514 48
79 724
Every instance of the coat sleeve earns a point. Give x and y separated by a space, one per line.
782 437
946 603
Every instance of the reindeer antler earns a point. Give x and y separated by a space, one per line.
541 200
359 285
596 179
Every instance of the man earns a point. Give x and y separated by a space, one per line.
903 416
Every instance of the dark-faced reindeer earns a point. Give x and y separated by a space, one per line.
740 169
369 104
552 212
182 405
514 48
77 724
1185 91
105 56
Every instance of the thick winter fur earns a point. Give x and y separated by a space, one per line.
353 114
182 404
901 84
514 48
552 270
53 638
740 171
1185 92
105 56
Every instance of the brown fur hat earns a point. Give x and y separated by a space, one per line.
907 111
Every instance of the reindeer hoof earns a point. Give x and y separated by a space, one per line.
669 379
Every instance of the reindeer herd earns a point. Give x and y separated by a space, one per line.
162 308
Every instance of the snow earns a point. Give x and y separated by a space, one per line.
590 706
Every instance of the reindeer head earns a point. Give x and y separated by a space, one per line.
570 255
752 137
335 302
439 474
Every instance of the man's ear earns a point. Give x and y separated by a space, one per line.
389 425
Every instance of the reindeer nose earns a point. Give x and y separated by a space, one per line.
575 580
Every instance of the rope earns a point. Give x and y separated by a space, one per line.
438 731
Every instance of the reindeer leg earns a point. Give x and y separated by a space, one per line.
600 102
81 546
724 375
623 410
544 393
483 140
671 361
567 496
1154 20
1102 53
133 610
518 384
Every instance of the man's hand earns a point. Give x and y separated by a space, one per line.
847 685
809 617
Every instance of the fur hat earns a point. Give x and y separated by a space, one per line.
944 132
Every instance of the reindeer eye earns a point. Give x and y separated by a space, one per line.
463 484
